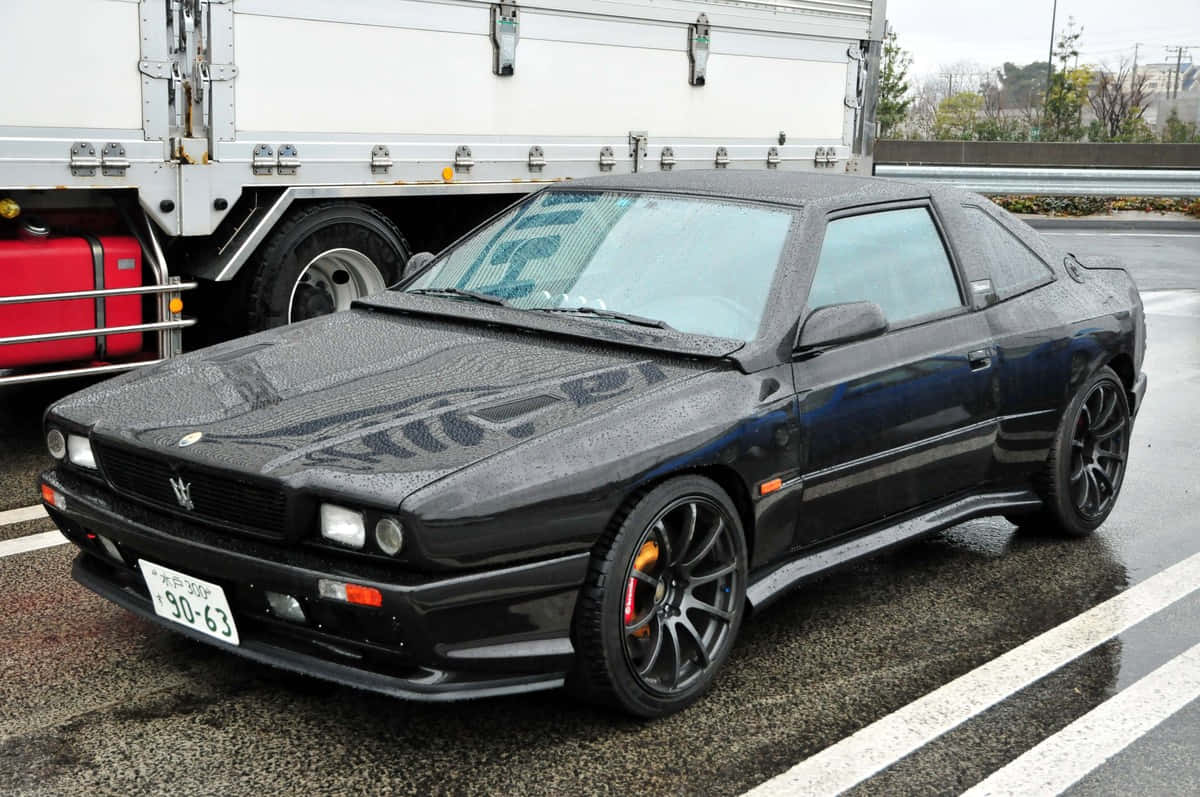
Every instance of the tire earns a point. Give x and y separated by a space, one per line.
319 260
1082 477
651 644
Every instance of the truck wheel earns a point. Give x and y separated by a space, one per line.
663 600
319 260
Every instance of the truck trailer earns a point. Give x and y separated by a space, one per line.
177 172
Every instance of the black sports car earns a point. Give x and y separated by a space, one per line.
577 446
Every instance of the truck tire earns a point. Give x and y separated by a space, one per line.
318 260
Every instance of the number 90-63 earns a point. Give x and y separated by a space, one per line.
215 620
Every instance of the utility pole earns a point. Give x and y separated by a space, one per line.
1050 57
1177 77
1133 78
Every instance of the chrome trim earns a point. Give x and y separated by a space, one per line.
66 295
88 333
46 376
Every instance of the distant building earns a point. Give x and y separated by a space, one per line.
1160 80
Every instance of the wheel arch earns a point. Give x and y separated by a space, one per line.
724 476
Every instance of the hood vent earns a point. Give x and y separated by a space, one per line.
510 411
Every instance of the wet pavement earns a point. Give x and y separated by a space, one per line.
94 701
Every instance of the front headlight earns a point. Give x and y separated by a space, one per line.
79 451
343 526
56 443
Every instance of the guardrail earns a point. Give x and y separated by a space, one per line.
1052 181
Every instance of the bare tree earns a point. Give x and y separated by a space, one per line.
1118 99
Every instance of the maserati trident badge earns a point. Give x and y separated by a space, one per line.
183 492
189 438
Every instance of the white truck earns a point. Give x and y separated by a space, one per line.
275 159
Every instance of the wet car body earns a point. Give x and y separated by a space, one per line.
506 442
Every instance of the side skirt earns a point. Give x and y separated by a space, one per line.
766 587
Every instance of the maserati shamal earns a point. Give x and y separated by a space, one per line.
580 444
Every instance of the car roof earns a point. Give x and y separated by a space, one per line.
784 187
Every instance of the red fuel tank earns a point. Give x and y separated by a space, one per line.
69 263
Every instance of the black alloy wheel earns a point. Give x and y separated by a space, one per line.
678 610
1099 446
1083 474
664 600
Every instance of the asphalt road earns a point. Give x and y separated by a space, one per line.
94 701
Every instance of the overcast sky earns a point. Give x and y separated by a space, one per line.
943 32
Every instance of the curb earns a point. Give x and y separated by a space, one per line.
1076 223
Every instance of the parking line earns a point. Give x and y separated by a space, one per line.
1127 234
1066 757
882 743
32 542
11 516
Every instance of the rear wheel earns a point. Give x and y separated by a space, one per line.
664 600
319 261
1086 467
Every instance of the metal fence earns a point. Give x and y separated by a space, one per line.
1053 181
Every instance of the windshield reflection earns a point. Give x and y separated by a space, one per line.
696 265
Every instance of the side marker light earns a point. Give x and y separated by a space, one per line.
766 488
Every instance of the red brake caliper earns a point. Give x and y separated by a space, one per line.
647 557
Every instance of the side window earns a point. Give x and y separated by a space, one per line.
1013 267
894 258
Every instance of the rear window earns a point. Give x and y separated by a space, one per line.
1014 268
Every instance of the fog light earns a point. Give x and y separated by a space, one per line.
350 593
389 536
285 606
56 443
344 526
79 451
110 548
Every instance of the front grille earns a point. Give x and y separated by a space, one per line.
217 499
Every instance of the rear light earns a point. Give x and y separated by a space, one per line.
53 497
349 593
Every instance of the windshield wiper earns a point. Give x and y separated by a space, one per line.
485 298
613 315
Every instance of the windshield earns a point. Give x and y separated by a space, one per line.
697 265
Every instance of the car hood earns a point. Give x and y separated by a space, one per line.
369 404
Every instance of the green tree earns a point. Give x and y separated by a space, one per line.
957 116
1063 106
1022 86
1177 131
893 86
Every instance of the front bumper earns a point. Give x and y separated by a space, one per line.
434 637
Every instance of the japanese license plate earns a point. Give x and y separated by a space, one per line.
186 600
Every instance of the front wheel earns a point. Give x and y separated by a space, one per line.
1086 467
664 600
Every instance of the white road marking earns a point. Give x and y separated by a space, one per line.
1127 234
11 516
876 747
1066 757
1183 304
31 542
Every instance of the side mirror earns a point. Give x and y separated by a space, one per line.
415 264
841 323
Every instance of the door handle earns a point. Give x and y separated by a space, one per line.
980 359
